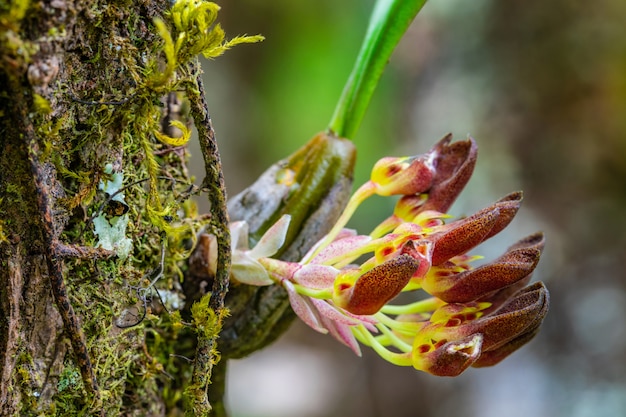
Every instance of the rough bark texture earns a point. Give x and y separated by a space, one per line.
74 99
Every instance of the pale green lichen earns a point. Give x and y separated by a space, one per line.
171 299
112 233
114 184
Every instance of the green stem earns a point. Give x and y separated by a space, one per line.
365 337
397 325
423 306
365 191
390 20
393 339
321 294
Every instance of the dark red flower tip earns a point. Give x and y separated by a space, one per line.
516 264
508 206
495 356
376 287
462 235
454 164
498 298
525 310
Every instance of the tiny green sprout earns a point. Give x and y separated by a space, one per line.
69 378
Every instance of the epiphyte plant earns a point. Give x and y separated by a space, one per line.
289 232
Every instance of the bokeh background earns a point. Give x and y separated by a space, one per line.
542 87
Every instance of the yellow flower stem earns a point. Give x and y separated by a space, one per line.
394 339
413 285
386 226
321 294
422 306
400 326
365 337
365 191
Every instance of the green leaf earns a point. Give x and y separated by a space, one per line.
388 23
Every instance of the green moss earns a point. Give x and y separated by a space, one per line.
41 105
12 45
24 370
69 379
69 397
106 108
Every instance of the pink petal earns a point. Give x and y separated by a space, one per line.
316 276
343 334
303 309
333 314
341 246
343 233
368 321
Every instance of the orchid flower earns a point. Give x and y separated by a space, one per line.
472 317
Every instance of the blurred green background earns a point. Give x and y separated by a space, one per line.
542 88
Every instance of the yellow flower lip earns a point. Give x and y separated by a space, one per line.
378 286
403 176
448 358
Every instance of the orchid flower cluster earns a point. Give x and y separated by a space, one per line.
472 316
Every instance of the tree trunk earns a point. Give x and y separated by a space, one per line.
85 89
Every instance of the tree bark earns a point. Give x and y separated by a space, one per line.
80 325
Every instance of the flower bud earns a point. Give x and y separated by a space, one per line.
517 263
448 358
524 311
495 356
403 176
454 164
508 207
376 287
462 235
449 342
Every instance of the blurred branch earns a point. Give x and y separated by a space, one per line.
206 353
